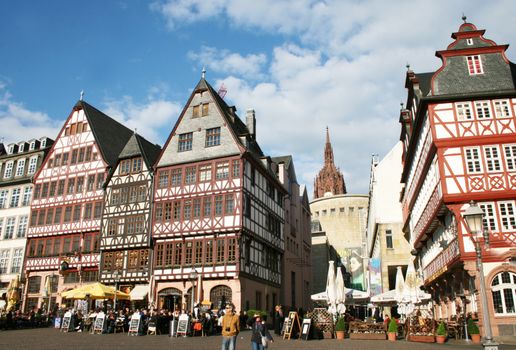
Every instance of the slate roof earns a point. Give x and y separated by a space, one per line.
425 81
139 146
110 135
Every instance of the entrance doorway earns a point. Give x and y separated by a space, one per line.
170 299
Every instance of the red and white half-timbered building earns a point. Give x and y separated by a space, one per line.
68 202
459 133
126 222
218 211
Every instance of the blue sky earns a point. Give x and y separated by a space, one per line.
302 65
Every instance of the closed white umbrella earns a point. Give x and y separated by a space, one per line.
331 290
453 308
400 283
340 292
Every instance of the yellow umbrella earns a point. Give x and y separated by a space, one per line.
12 293
95 291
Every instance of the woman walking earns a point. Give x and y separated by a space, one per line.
259 332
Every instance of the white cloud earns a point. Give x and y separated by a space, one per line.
153 118
18 123
226 62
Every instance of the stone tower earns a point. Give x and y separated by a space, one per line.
330 178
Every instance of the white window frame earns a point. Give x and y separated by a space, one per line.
507 218
8 172
469 41
489 218
502 108
32 146
10 224
33 163
43 143
500 287
464 111
27 196
475 66
483 110
17 260
10 149
1 227
21 232
21 147
3 198
492 157
15 197
20 167
4 260
473 160
510 156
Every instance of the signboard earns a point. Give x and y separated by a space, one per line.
66 321
134 325
286 325
98 326
290 324
182 325
305 328
57 322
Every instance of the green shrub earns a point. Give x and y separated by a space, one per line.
393 326
340 325
472 327
253 312
441 329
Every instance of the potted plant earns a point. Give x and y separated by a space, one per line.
340 327
441 333
392 330
473 331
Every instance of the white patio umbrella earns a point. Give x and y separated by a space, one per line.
400 283
453 308
331 291
473 303
340 292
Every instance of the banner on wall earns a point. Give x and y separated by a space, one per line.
375 274
351 259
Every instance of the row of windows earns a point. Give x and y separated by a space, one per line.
333 211
188 209
20 147
19 197
21 167
56 246
200 110
274 194
72 185
185 140
483 110
76 156
198 173
493 158
76 128
128 194
196 252
137 260
66 214
127 225
506 216
474 64
9 231
131 166
16 260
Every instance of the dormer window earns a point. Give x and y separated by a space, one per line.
474 65
10 149
43 143
469 41
32 146
21 148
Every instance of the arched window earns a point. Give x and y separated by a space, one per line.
503 288
220 294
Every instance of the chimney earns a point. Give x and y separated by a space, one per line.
250 122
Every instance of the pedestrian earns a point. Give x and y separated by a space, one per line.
279 318
260 334
230 328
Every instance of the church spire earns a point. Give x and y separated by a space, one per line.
330 179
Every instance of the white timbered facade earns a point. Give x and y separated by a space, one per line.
126 221
459 133
218 210
67 204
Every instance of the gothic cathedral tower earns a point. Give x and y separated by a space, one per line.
330 178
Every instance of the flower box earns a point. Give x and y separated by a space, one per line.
368 336
421 338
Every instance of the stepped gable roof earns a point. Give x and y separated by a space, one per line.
139 146
425 82
237 126
453 78
111 136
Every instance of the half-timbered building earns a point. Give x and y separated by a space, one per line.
67 204
218 214
459 135
18 164
125 238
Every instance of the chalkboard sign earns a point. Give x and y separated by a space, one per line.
66 321
134 325
290 324
182 325
286 326
57 322
98 326
305 328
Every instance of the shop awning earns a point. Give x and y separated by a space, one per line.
139 292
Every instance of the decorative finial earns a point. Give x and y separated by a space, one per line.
401 105
82 94
203 74
408 66
464 18
135 130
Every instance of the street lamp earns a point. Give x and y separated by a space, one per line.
116 276
474 217
193 277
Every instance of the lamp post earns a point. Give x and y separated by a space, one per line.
116 276
193 277
474 217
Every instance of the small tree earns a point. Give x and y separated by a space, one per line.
340 325
441 329
393 326
472 327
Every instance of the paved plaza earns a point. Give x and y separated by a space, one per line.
46 338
